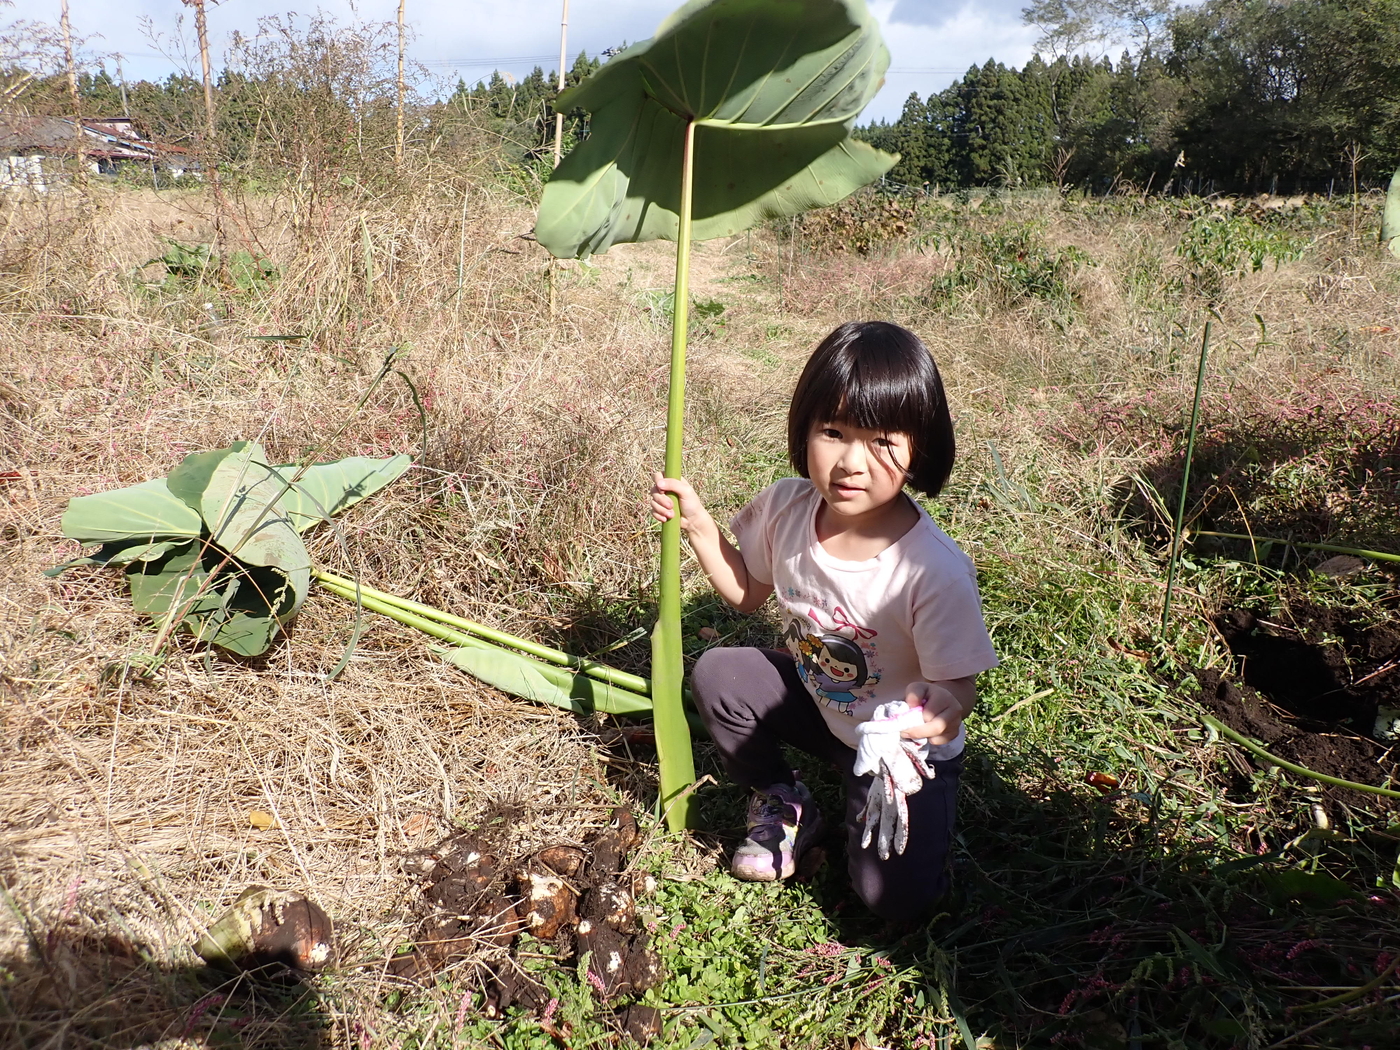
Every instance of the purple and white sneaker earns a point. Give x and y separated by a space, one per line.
782 822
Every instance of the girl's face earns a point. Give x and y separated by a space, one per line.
836 670
858 472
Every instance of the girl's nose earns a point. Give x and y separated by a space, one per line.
853 457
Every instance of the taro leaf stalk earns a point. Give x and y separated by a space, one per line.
735 112
1390 219
1179 524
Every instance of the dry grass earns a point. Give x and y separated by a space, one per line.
124 803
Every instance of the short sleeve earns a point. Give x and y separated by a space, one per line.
949 632
752 529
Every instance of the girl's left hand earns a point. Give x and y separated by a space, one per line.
945 706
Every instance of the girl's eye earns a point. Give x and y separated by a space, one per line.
831 432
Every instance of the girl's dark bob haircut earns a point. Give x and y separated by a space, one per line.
877 376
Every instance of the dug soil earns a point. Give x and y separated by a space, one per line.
1310 683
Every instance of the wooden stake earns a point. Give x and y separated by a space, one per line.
398 134
558 113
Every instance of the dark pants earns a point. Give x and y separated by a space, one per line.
753 701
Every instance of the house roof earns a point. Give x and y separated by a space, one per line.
116 138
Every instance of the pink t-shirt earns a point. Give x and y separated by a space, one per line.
861 631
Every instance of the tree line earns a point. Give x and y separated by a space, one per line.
309 93
1231 95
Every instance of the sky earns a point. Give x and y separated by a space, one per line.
931 42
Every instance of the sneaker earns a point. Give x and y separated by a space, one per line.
782 821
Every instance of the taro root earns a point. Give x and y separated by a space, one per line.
265 928
644 968
607 962
494 919
509 985
610 845
642 1023
610 903
464 873
547 903
566 860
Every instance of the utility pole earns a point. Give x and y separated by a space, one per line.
559 113
201 27
73 89
398 137
121 80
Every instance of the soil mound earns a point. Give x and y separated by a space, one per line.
1314 680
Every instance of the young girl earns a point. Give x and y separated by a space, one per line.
878 605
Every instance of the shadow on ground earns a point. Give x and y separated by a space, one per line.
1072 922
82 991
1325 475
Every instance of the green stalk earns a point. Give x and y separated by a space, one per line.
631 682
673 750
609 699
1358 552
1186 477
1302 771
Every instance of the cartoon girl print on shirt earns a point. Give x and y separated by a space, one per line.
832 665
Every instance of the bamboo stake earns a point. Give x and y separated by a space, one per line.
673 750
398 131
1186 476
558 113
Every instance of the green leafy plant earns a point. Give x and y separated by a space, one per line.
216 546
1217 246
197 263
735 112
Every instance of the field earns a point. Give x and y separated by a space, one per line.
1125 876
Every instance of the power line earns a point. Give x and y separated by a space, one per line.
474 62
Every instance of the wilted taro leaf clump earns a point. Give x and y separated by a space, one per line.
217 545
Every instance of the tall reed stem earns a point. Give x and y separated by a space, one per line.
673 750
1186 476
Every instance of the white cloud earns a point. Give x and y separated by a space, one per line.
471 37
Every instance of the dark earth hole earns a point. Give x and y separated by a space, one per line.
1314 681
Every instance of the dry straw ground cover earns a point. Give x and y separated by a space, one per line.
130 807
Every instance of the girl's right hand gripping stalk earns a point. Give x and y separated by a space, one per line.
720 559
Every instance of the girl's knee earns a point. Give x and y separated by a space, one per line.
710 676
900 898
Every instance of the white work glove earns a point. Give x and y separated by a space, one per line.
899 770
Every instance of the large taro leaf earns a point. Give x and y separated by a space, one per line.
241 505
249 520
1390 220
121 552
773 87
544 683
232 611
328 488
148 512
